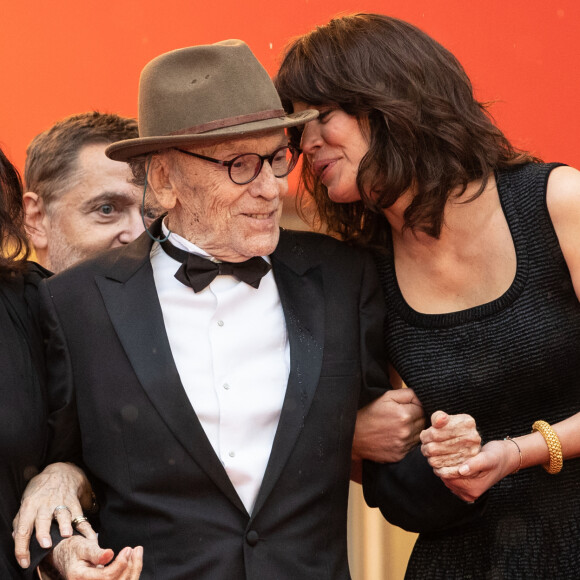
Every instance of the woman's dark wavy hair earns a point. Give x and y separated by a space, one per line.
426 128
14 249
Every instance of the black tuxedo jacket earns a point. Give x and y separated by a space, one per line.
159 483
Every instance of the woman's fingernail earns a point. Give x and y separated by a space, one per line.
24 563
45 543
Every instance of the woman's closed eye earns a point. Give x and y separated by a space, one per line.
323 116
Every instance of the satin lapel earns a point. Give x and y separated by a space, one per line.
302 296
135 313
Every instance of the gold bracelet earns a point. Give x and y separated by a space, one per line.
554 446
508 438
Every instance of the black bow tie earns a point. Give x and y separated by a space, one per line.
198 272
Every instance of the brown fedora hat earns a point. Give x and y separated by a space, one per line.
202 93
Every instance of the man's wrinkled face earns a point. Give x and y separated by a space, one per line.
229 221
101 210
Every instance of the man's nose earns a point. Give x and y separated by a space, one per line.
267 185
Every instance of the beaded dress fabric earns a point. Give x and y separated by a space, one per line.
507 363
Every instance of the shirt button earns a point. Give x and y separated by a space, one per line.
226 387
252 537
220 322
232 453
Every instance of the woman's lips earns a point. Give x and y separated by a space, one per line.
320 168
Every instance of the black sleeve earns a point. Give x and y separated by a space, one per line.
375 376
412 497
37 553
65 441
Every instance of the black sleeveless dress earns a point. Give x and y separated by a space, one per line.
507 363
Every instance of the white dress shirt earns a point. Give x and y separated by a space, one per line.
231 350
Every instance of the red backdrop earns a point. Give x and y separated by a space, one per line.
69 56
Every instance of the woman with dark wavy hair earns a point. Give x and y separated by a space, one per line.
477 249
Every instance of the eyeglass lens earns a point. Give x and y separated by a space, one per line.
247 167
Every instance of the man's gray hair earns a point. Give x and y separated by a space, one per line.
52 156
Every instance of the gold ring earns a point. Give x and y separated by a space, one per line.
59 508
79 520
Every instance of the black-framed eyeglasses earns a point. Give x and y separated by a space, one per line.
245 168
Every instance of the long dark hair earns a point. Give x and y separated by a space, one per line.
14 249
427 131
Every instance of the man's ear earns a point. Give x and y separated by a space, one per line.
160 182
35 220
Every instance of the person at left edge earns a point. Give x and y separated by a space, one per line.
216 417
25 415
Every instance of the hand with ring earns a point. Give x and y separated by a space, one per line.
60 492
79 520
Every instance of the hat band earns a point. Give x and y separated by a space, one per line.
231 122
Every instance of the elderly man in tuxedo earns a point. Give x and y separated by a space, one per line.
214 367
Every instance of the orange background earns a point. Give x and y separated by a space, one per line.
61 57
